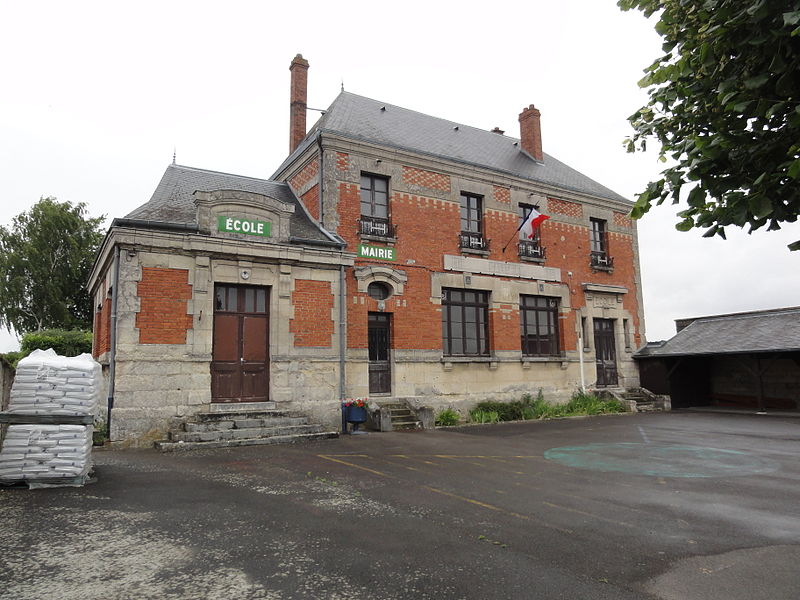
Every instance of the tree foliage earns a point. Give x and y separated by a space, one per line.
725 106
45 259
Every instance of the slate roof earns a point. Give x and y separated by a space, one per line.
359 118
776 330
173 202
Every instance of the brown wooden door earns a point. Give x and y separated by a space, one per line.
380 370
605 351
240 362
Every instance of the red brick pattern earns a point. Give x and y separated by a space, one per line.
342 161
428 228
502 194
311 201
306 174
101 342
312 324
564 207
622 220
428 179
163 316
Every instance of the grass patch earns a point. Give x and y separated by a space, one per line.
529 408
447 417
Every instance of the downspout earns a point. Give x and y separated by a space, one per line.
112 358
342 332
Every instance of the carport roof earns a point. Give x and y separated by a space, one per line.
776 330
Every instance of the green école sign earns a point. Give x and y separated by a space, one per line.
246 226
365 251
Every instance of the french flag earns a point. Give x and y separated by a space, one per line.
532 223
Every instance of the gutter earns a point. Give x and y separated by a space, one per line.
144 224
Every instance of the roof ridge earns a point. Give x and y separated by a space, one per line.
744 315
417 112
213 172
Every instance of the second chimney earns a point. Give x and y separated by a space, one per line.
530 132
298 94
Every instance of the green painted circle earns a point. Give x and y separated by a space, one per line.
660 460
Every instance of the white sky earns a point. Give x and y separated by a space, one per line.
94 96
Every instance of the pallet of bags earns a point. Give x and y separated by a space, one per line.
48 384
46 454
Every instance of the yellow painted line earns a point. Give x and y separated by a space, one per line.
586 514
349 464
345 455
496 509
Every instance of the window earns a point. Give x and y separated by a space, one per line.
471 236
229 298
465 322
375 206
378 290
539 325
598 243
529 248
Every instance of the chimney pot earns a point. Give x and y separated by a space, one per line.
498 130
530 129
298 98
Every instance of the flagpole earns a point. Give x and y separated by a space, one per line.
513 234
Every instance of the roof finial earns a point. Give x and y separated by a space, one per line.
342 84
174 154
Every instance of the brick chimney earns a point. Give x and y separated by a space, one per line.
298 94
530 132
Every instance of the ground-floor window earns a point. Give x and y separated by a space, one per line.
465 322
539 325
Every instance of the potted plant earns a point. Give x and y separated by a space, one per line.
355 411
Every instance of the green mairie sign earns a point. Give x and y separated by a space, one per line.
246 226
379 252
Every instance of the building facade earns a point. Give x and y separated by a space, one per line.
392 267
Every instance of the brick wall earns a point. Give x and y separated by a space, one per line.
312 324
309 172
564 207
102 329
622 220
427 179
163 317
428 228
342 161
311 201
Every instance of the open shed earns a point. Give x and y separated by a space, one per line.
746 360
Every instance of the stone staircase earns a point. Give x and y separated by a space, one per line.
242 427
642 400
398 415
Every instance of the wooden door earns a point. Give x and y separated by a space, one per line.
605 352
240 360
380 370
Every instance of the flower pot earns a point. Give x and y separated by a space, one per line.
356 414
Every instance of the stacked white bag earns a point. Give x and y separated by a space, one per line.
47 384
45 452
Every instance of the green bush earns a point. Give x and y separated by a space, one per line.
528 408
477 415
65 343
447 417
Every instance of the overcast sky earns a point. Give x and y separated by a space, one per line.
94 96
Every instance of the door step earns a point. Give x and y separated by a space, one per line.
231 407
237 428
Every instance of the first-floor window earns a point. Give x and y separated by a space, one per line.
465 322
539 325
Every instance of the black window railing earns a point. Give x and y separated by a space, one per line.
531 249
377 227
472 241
601 260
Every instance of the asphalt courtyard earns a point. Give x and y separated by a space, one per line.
670 506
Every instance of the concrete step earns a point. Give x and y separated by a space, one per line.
278 439
406 425
242 433
208 417
229 407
